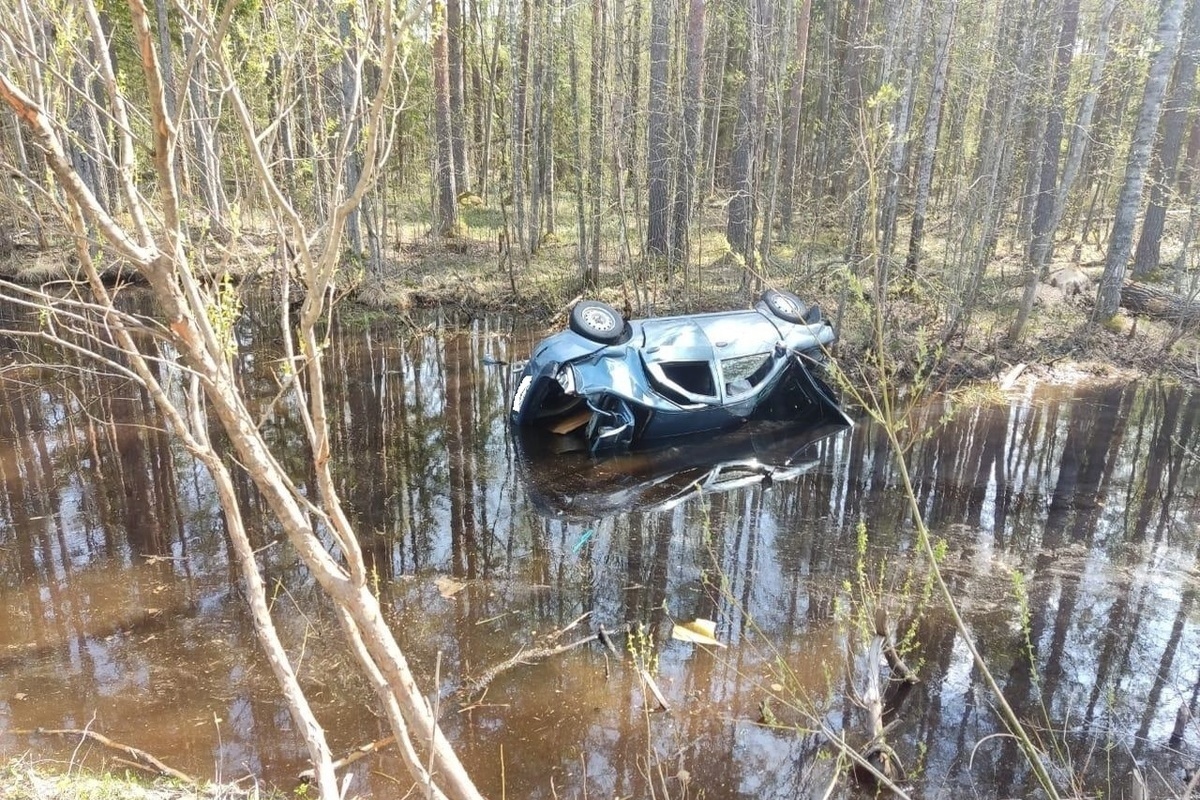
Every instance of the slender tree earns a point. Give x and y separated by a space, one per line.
581 249
909 24
517 135
689 145
1170 143
1108 296
596 138
923 183
447 196
792 129
739 229
457 81
1043 215
658 138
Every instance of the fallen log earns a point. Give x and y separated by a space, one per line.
1150 301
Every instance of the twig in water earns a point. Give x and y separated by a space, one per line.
137 755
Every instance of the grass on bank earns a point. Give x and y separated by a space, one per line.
26 779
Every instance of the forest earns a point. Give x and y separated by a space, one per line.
964 149
983 181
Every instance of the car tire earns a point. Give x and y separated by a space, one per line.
597 321
785 305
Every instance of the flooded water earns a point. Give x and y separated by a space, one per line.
1067 519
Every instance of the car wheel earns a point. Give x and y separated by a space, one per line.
597 321
785 305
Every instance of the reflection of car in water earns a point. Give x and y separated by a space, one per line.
573 484
618 384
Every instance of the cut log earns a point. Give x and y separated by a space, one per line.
1149 301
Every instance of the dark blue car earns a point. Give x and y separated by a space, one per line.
617 383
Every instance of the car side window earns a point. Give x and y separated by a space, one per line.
691 376
743 374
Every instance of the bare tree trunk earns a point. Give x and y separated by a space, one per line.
537 147
87 146
596 138
1108 295
555 28
929 134
901 119
165 50
311 517
658 152
458 116
1174 120
1081 134
689 146
484 176
791 131
447 195
206 163
773 65
738 229
1043 215
347 105
520 83
581 249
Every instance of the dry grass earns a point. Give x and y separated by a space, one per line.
25 779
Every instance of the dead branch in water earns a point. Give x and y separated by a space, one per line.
140 758
895 661
358 753
528 657
877 752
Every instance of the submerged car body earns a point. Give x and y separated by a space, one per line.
619 384
577 486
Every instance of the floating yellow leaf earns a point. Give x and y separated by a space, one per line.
698 631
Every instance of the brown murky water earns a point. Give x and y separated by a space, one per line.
120 608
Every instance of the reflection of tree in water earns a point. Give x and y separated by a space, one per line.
1088 494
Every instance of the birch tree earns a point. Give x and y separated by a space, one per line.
1108 295
181 355
1174 120
444 140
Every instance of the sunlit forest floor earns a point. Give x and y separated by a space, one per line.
475 273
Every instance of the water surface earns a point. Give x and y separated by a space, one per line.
121 606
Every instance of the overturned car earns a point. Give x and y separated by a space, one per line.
617 384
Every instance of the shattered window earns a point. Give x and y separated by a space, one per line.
743 373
